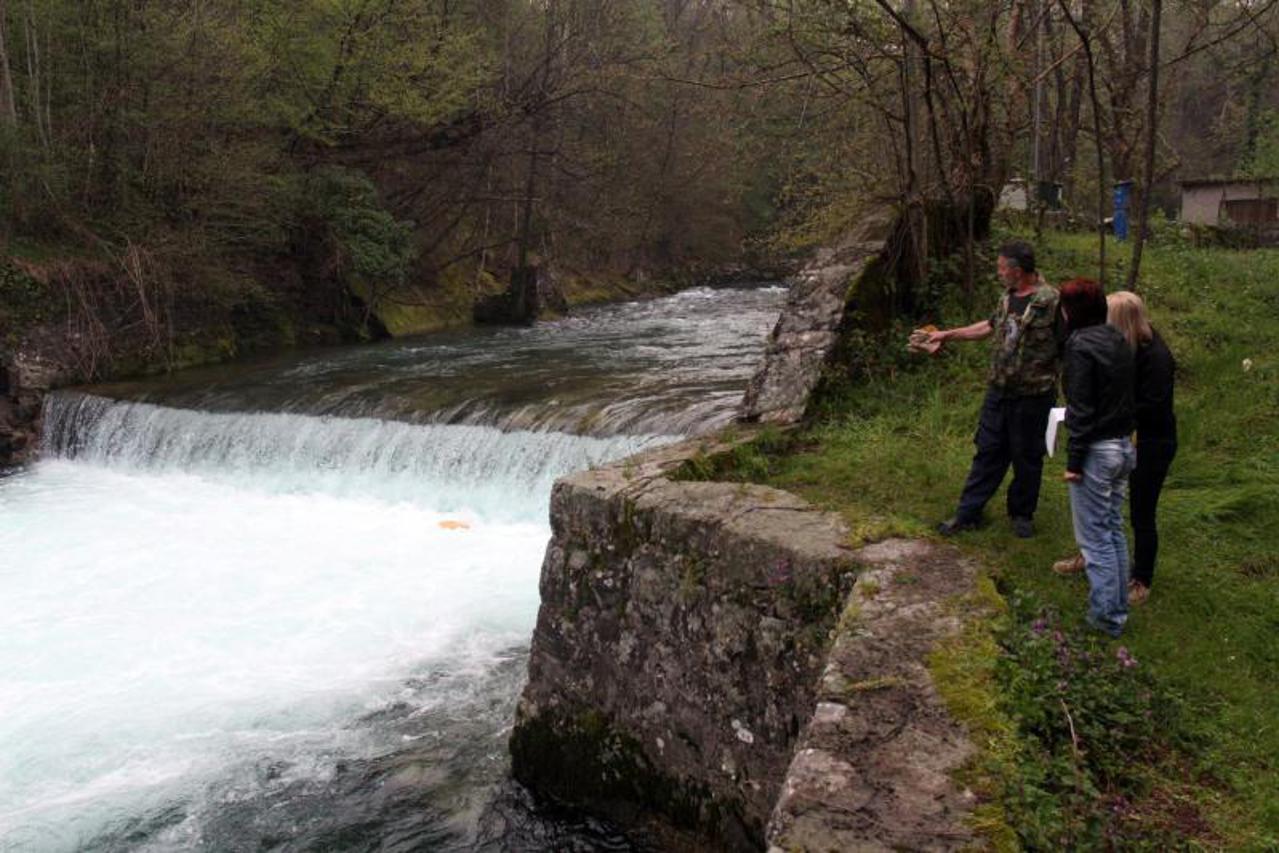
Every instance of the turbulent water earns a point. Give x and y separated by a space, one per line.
287 606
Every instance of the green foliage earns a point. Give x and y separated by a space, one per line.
327 68
23 300
368 241
1263 160
1092 721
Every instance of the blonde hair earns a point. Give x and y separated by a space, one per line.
1127 313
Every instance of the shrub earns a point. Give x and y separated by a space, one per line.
1092 720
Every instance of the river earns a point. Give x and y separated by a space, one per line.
287 604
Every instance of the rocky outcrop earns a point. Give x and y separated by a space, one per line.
704 668
25 377
808 330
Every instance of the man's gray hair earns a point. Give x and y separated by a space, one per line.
1020 254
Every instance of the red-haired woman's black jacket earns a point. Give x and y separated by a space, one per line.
1097 378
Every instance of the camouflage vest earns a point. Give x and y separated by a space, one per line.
1026 356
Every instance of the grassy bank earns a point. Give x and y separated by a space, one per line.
891 452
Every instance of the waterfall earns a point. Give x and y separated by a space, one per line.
448 466
287 604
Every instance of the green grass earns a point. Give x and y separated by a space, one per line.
891 452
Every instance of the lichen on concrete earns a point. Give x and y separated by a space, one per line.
875 767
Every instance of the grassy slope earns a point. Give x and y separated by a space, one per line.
892 453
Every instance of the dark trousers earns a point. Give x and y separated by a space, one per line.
1144 485
1010 431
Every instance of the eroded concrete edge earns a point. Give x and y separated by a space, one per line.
875 767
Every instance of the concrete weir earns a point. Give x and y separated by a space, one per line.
716 667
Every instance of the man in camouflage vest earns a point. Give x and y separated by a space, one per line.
1025 362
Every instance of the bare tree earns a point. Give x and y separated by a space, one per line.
1152 131
8 106
1082 30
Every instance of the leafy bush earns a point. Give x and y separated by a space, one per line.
1092 721
23 300
366 240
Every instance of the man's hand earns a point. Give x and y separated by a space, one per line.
921 340
1073 477
938 337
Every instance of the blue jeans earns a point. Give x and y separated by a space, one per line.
1096 504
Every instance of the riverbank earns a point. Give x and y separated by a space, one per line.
889 452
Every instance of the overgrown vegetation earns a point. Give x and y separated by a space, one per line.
338 159
1182 746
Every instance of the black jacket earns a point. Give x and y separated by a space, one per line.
1155 369
1097 378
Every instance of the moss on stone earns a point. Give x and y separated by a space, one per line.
963 670
582 759
693 579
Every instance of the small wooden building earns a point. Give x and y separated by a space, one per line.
1231 201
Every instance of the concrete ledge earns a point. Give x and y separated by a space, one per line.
714 665
874 767
678 648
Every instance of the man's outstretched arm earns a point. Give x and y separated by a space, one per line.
975 332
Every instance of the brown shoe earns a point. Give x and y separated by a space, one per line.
1070 566
1138 592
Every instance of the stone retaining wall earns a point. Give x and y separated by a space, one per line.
693 636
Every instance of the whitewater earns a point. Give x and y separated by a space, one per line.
268 611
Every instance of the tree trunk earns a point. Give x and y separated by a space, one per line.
1085 39
34 72
8 106
1152 129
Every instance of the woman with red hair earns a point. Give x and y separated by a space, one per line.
1097 378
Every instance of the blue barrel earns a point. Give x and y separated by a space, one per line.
1123 194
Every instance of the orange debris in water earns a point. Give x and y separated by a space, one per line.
450 524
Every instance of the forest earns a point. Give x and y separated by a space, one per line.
185 179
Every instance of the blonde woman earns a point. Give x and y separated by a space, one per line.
1156 432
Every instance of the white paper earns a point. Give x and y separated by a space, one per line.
1055 417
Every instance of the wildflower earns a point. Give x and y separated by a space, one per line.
781 574
1040 626
1247 365
1125 658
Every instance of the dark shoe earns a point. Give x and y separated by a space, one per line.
952 526
1023 527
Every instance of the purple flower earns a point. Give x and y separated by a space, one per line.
1040 626
1125 659
781 573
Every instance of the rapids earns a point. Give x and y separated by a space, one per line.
287 605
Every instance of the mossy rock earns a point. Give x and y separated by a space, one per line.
582 759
